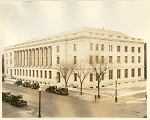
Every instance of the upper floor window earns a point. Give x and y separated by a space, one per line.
118 73
75 59
58 60
110 59
132 49
57 48
110 48
6 61
126 49
10 61
139 72
97 59
139 49
75 47
132 59
97 47
132 72
139 59
91 47
91 59
102 59
118 59
91 77
118 48
126 59
102 47
10 54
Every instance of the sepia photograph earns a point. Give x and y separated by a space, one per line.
74 59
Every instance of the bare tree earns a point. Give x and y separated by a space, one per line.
65 69
82 70
100 65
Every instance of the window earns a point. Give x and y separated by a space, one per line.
91 77
132 49
26 72
50 75
75 47
20 71
126 59
110 59
29 73
118 59
139 49
132 59
132 72
97 59
75 76
14 71
6 61
10 54
118 48
97 77
57 48
10 72
110 48
23 72
6 54
45 74
126 49
139 72
126 73
118 73
102 59
17 71
32 73
91 59
36 73
96 47
58 60
41 73
75 59
7 71
110 74
139 59
91 47
102 47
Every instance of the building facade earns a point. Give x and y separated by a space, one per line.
33 60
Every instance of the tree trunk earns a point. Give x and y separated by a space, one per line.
81 89
65 83
98 89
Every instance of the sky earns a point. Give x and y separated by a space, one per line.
20 21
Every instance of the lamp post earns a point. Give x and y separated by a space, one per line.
116 92
39 103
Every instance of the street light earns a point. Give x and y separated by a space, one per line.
39 102
116 92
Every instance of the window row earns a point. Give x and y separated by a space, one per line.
111 48
33 73
10 54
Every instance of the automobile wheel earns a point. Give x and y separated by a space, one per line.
14 83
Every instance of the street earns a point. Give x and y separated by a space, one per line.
53 105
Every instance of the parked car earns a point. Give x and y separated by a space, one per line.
34 86
62 91
26 84
51 89
3 76
17 100
18 82
6 96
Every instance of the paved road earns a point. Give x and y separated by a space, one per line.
54 105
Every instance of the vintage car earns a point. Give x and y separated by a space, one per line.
6 96
62 91
26 84
34 86
17 100
18 82
51 89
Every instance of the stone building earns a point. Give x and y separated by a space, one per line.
33 60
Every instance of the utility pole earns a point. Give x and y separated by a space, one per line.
116 93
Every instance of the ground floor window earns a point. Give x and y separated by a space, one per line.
14 71
126 73
36 73
29 73
41 73
118 73
33 73
23 72
17 71
110 74
132 72
91 77
45 74
75 76
26 72
50 75
58 77
20 71
139 72
10 72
